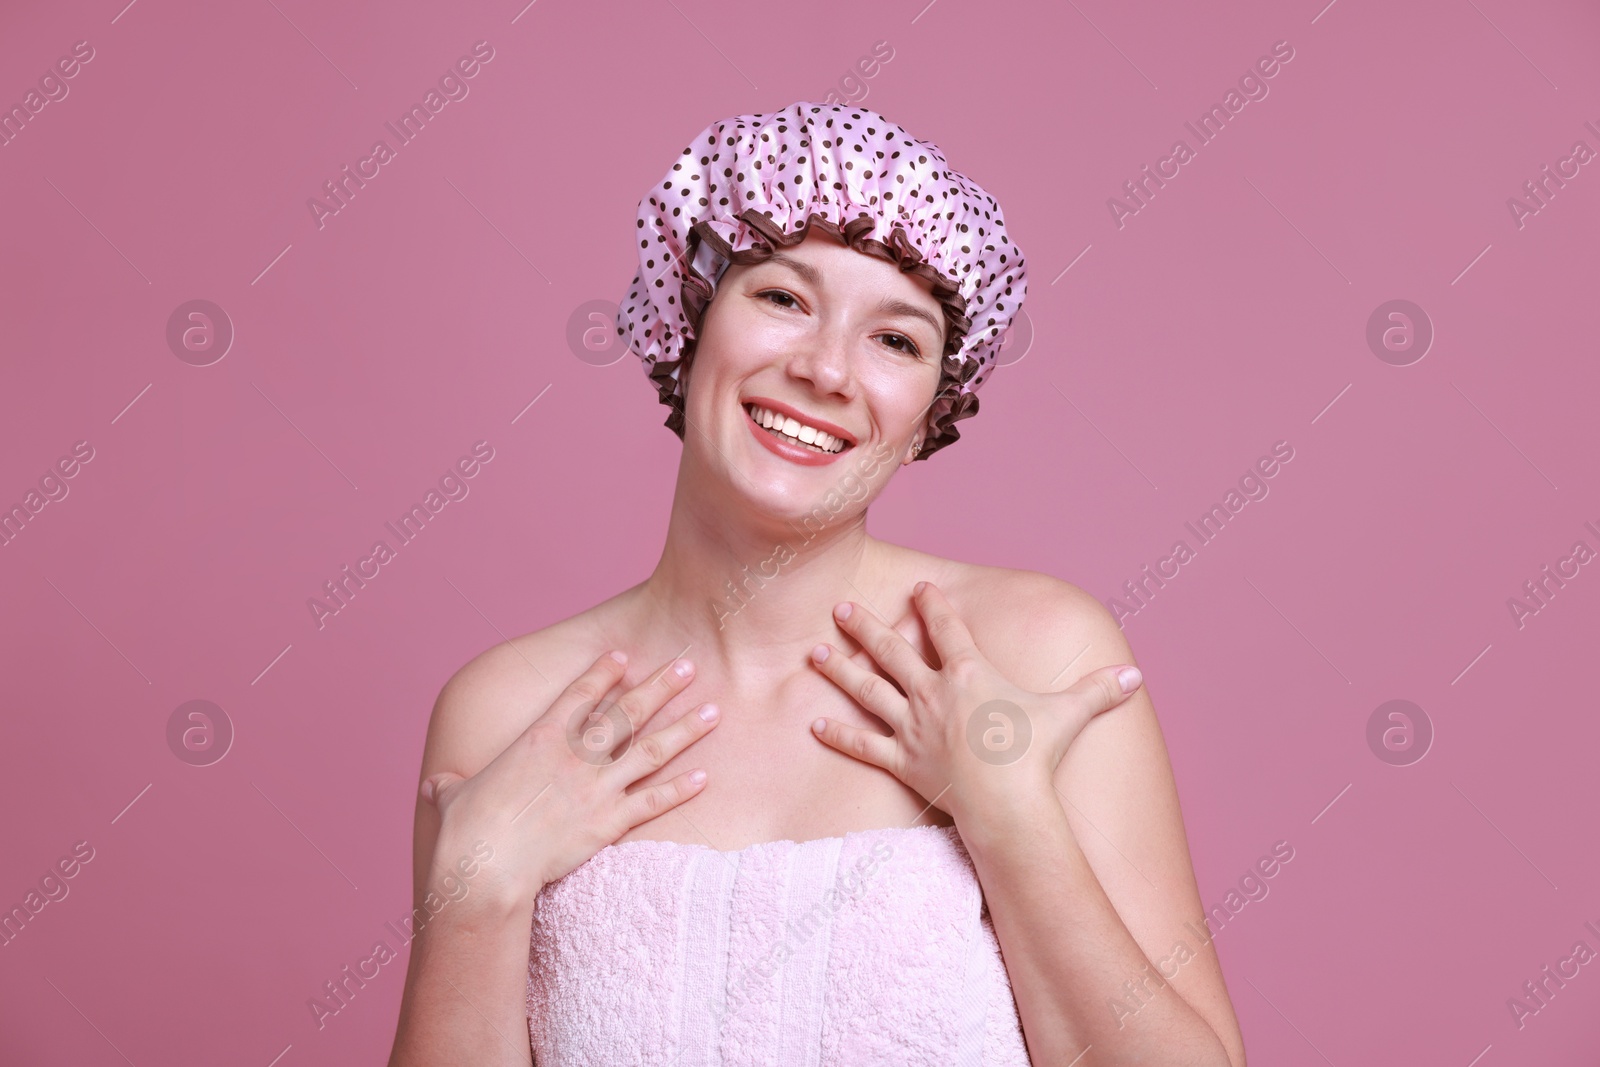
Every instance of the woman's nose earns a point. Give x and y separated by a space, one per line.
824 361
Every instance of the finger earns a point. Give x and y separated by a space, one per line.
590 686
868 746
653 751
1106 688
634 708
885 644
647 803
869 688
435 786
950 636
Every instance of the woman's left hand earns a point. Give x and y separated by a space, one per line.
964 737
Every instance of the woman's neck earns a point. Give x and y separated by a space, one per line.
754 592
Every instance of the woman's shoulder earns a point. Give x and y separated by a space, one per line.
496 694
1028 623
998 591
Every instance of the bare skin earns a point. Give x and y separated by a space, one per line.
811 334
768 780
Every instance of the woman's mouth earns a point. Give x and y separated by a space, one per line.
793 432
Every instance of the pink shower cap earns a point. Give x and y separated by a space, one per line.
750 184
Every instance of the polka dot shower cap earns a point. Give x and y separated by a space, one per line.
751 184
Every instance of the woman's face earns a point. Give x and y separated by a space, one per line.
838 341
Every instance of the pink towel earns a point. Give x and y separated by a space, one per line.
872 948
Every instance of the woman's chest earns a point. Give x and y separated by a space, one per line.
770 778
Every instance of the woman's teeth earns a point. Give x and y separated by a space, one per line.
794 431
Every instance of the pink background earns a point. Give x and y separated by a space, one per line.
1228 314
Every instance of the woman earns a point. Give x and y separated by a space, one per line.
760 833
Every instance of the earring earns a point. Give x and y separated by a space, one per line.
916 448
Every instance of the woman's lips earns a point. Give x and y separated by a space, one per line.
795 453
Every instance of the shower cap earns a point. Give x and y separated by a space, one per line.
751 184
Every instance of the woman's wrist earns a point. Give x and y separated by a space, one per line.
469 873
1002 815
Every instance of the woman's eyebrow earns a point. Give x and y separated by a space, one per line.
805 270
893 306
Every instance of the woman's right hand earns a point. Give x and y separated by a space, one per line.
558 793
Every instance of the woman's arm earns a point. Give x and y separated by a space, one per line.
1090 885
466 983
1081 981
466 988
991 737
515 799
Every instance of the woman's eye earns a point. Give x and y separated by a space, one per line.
899 342
778 293
910 345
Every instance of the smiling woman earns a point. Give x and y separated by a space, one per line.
871 361
818 298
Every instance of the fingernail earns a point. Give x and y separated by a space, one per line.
683 668
620 656
842 611
920 586
709 712
697 777
427 790
1129 677
820 725
819 653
